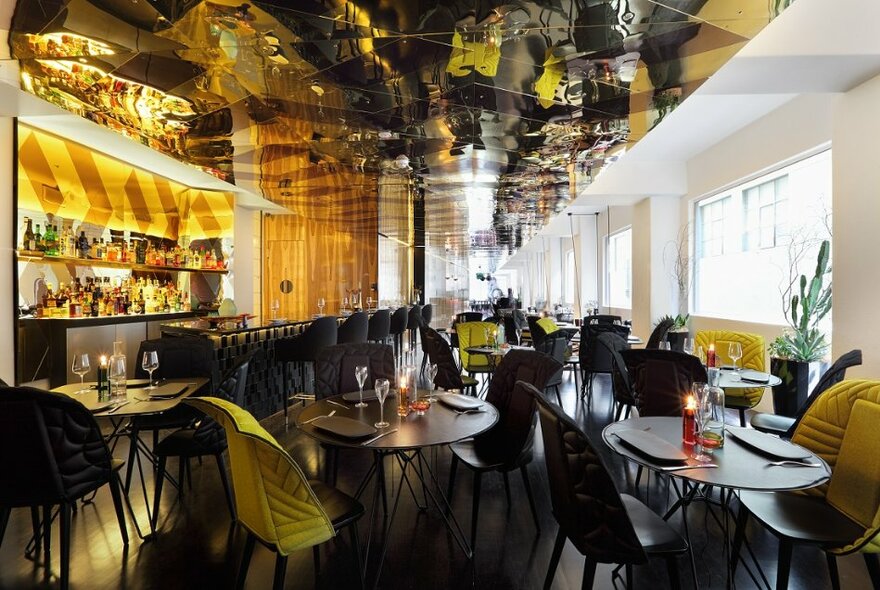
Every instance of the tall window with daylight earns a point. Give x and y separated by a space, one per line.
619 276
570 278
751 239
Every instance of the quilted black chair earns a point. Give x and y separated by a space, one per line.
427 314
354 329
439 352
379 326
555 346
658 335
784 426
604 525
621 384
399 321
53 454
662 379
413 321
507 445
205 440
301 350
601 319
593 357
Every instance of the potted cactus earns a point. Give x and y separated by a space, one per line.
797 356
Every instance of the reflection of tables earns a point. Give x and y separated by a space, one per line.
739 468
728 380
439 426
138 404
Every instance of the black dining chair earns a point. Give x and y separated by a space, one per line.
555 346
662 379
604 525
379 326
427 314
399 321
354 329
206 439
300 352
658 335
602 319
621 385
509 444
439 352
53 454
594 358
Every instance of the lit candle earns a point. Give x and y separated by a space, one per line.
710 356
688 421
102 374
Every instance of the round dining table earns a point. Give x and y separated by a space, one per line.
731 379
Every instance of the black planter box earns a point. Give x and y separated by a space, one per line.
798 379
676 340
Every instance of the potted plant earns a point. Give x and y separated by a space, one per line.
678 332
797 355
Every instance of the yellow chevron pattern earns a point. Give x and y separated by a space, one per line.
754 357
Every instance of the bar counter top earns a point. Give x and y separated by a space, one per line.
206 328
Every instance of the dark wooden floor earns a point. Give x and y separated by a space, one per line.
198 548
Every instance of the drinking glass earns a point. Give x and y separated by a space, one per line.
369 303
276 305
320 306
711 409
700 455
345 303
150 363
381 386
432 374
361 372
700 354
664 345
735 352
688 347
81 367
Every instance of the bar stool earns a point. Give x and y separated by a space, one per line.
301 351
379 326
427 314
414 320
398 327
354 329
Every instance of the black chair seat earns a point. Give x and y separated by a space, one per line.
479 370
654 533
341 508
805 518
772 423
481 458
181 443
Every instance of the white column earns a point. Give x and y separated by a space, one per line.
8 299
246 269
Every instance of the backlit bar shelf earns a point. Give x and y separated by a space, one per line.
23 257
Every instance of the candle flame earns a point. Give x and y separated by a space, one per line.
103 360
712 347
691 403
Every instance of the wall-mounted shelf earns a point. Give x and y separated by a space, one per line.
109 264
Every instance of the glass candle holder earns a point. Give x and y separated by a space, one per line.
403 390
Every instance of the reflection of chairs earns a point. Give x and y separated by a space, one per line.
399 320
753 357
662 379
354 329
473 334
843 516
658 335
52 453
507 445
784 425
555 346
604 525
439 352
595 358
274 502
379 326
301 350
621 384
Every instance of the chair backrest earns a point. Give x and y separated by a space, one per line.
753 357
51 448
354 328
208 434
835 374
180 357
593 357
399 320
601 319
273 499
621 384
513 432
662 379
320 333
503 303
548 324
379 325
532 367
659 333
427 314
468 316
585 500
335 366
473 334
555 346
414 317
440 353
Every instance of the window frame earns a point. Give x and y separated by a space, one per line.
608 267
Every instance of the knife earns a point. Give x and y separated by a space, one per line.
117 406
683 467
375 438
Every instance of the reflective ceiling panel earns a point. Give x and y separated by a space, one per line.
495 111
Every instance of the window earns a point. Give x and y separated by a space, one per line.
620 269
570 278
743 235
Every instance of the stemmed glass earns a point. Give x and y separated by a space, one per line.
432 373
700 354
381 386
276 305
370 302
361 372
688 347
150 363
701 418
735 352
321 306
81 367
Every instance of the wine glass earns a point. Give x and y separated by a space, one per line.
701 419
276 305
81 367
381 386
361 372
700 354
370 302
664 345
321 306
735 352
688 347
432 373
150 363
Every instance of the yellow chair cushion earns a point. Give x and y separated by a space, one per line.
548 324
273 498
472 334
855 485
754 357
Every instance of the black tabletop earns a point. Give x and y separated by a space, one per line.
439 426
738 466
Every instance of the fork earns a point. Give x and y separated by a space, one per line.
310 420
793 463
471 411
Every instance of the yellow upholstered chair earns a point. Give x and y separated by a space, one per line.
754 357
548 324
274 502
472 334
842 516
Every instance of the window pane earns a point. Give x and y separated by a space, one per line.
620 269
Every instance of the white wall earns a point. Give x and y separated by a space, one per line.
8 301
246 260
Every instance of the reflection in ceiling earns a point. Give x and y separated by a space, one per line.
497 113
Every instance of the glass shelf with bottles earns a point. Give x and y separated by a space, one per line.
137 253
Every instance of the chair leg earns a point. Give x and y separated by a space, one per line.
506 487
527 484
453 468
356 548
316 558
280 572
628 568
742 417
160 480
65 545
47 533
475 508
873 564
554 558
38 533
181 476
833 573
249 543
590 574
115 491
230 502
738 536
558 396
672 571
4 520
784 567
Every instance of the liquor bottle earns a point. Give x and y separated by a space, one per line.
83 244
141 251
28 242
39 246
112 252
208 260
51 239
96 302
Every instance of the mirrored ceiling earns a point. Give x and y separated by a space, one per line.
497 113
